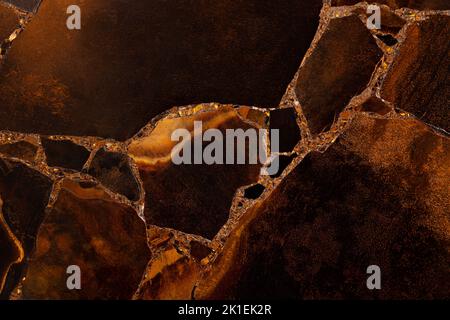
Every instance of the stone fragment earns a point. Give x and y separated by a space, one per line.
64 154
285 120
193 198
339 68
20 149
378 196
87 228
11 250
25 193
419 80
131 62
113 170
254 192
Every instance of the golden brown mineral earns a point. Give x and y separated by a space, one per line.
167 150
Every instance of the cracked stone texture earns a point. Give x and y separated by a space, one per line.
170 276
419 79
375 192
189 198
85 227
379 195
131 62
339 68
25 193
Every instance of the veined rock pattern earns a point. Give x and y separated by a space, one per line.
356 119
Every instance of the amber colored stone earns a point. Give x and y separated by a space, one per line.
130 63
113 170
378 196
193 198
170 276
25 193
65 154
339 68
20 149
418 80
9 21
105 238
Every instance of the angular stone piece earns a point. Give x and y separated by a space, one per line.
85 227
114 171
378 196
65 154
375 105
25 193
254 192
132 62
193 198
26 5
285 120
339 68
419 79
20 149
199 251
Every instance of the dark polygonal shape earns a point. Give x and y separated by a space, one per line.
419 79
114 171
105 238
254 192
378 196
285 120
339 68
133 60
64 154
